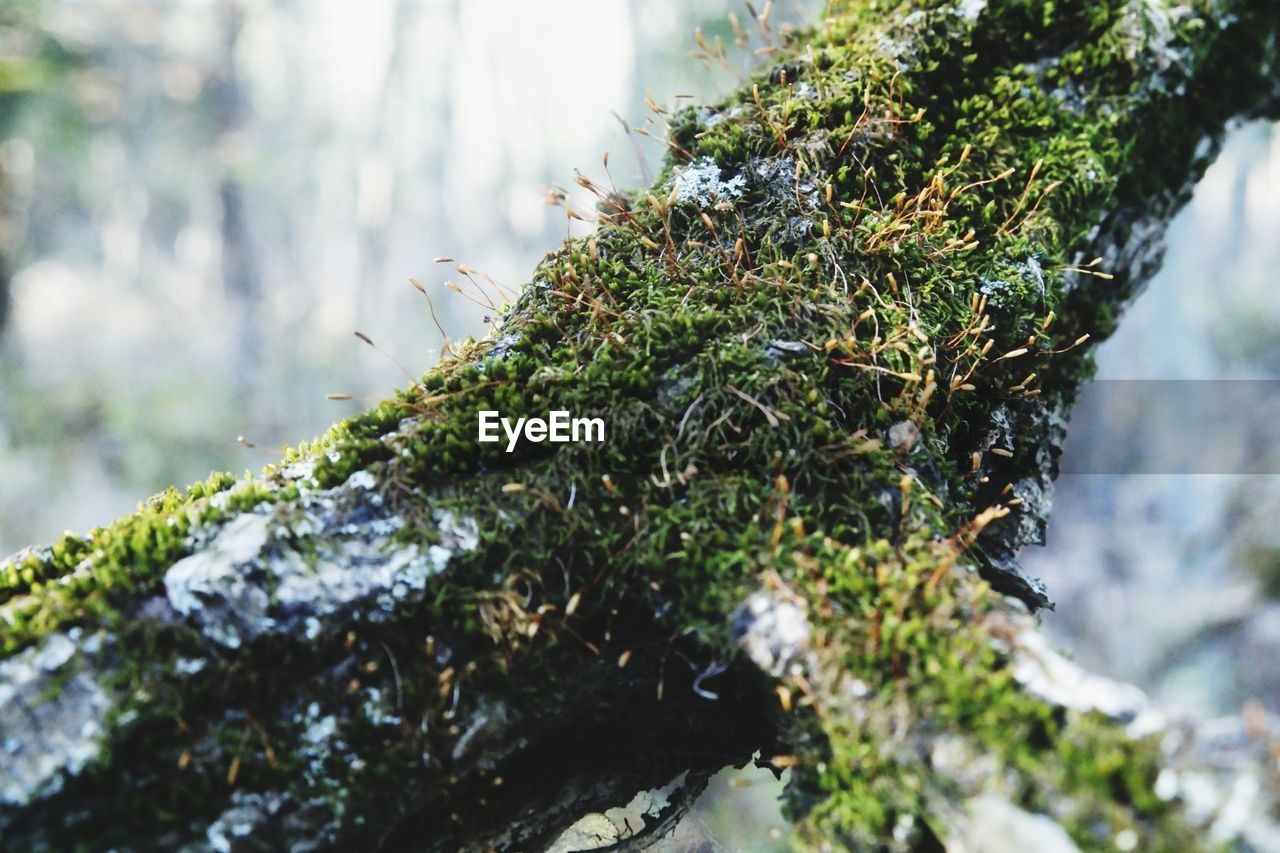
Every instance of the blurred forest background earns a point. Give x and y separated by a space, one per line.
200 201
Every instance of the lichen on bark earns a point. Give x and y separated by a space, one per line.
835 345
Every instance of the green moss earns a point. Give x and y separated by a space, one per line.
80 580
923 660
918 194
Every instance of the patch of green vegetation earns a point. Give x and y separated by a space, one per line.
79 579
913 663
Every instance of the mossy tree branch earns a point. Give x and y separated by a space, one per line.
834 346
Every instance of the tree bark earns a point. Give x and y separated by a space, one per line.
834 347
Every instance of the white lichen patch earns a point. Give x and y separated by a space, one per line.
971 9
242 819
52 716
189 666
1056 680
214 587
997 290
318 740
457 534
1150 38
328 582
1221 771
362 480
700 183
328 558
966 766
903 435
777 179
302 473
992 824
772 631
377 708
19 557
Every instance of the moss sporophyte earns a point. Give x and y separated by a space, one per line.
834 345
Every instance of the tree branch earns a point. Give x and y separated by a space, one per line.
834 347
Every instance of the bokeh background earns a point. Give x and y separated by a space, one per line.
201 200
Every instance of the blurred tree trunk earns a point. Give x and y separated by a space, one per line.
8 244
833 349
6 300
241 276
377 180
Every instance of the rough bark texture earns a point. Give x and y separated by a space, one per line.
834 346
